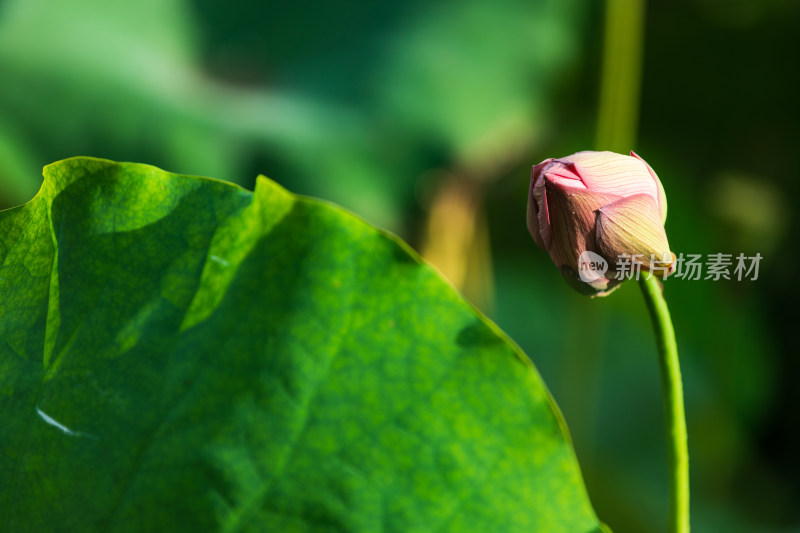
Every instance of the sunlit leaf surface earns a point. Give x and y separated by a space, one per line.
180 354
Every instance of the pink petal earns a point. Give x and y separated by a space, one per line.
564 171
631 226
608 172
571 215
538 225
662 195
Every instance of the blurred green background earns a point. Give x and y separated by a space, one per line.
425 118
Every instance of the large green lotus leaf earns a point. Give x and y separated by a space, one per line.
180 354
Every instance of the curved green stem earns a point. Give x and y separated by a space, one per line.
673 404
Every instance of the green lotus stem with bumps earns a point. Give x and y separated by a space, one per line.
672 387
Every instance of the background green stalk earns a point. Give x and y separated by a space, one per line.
621 82
618 116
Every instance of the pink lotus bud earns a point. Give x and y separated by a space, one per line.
602 205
